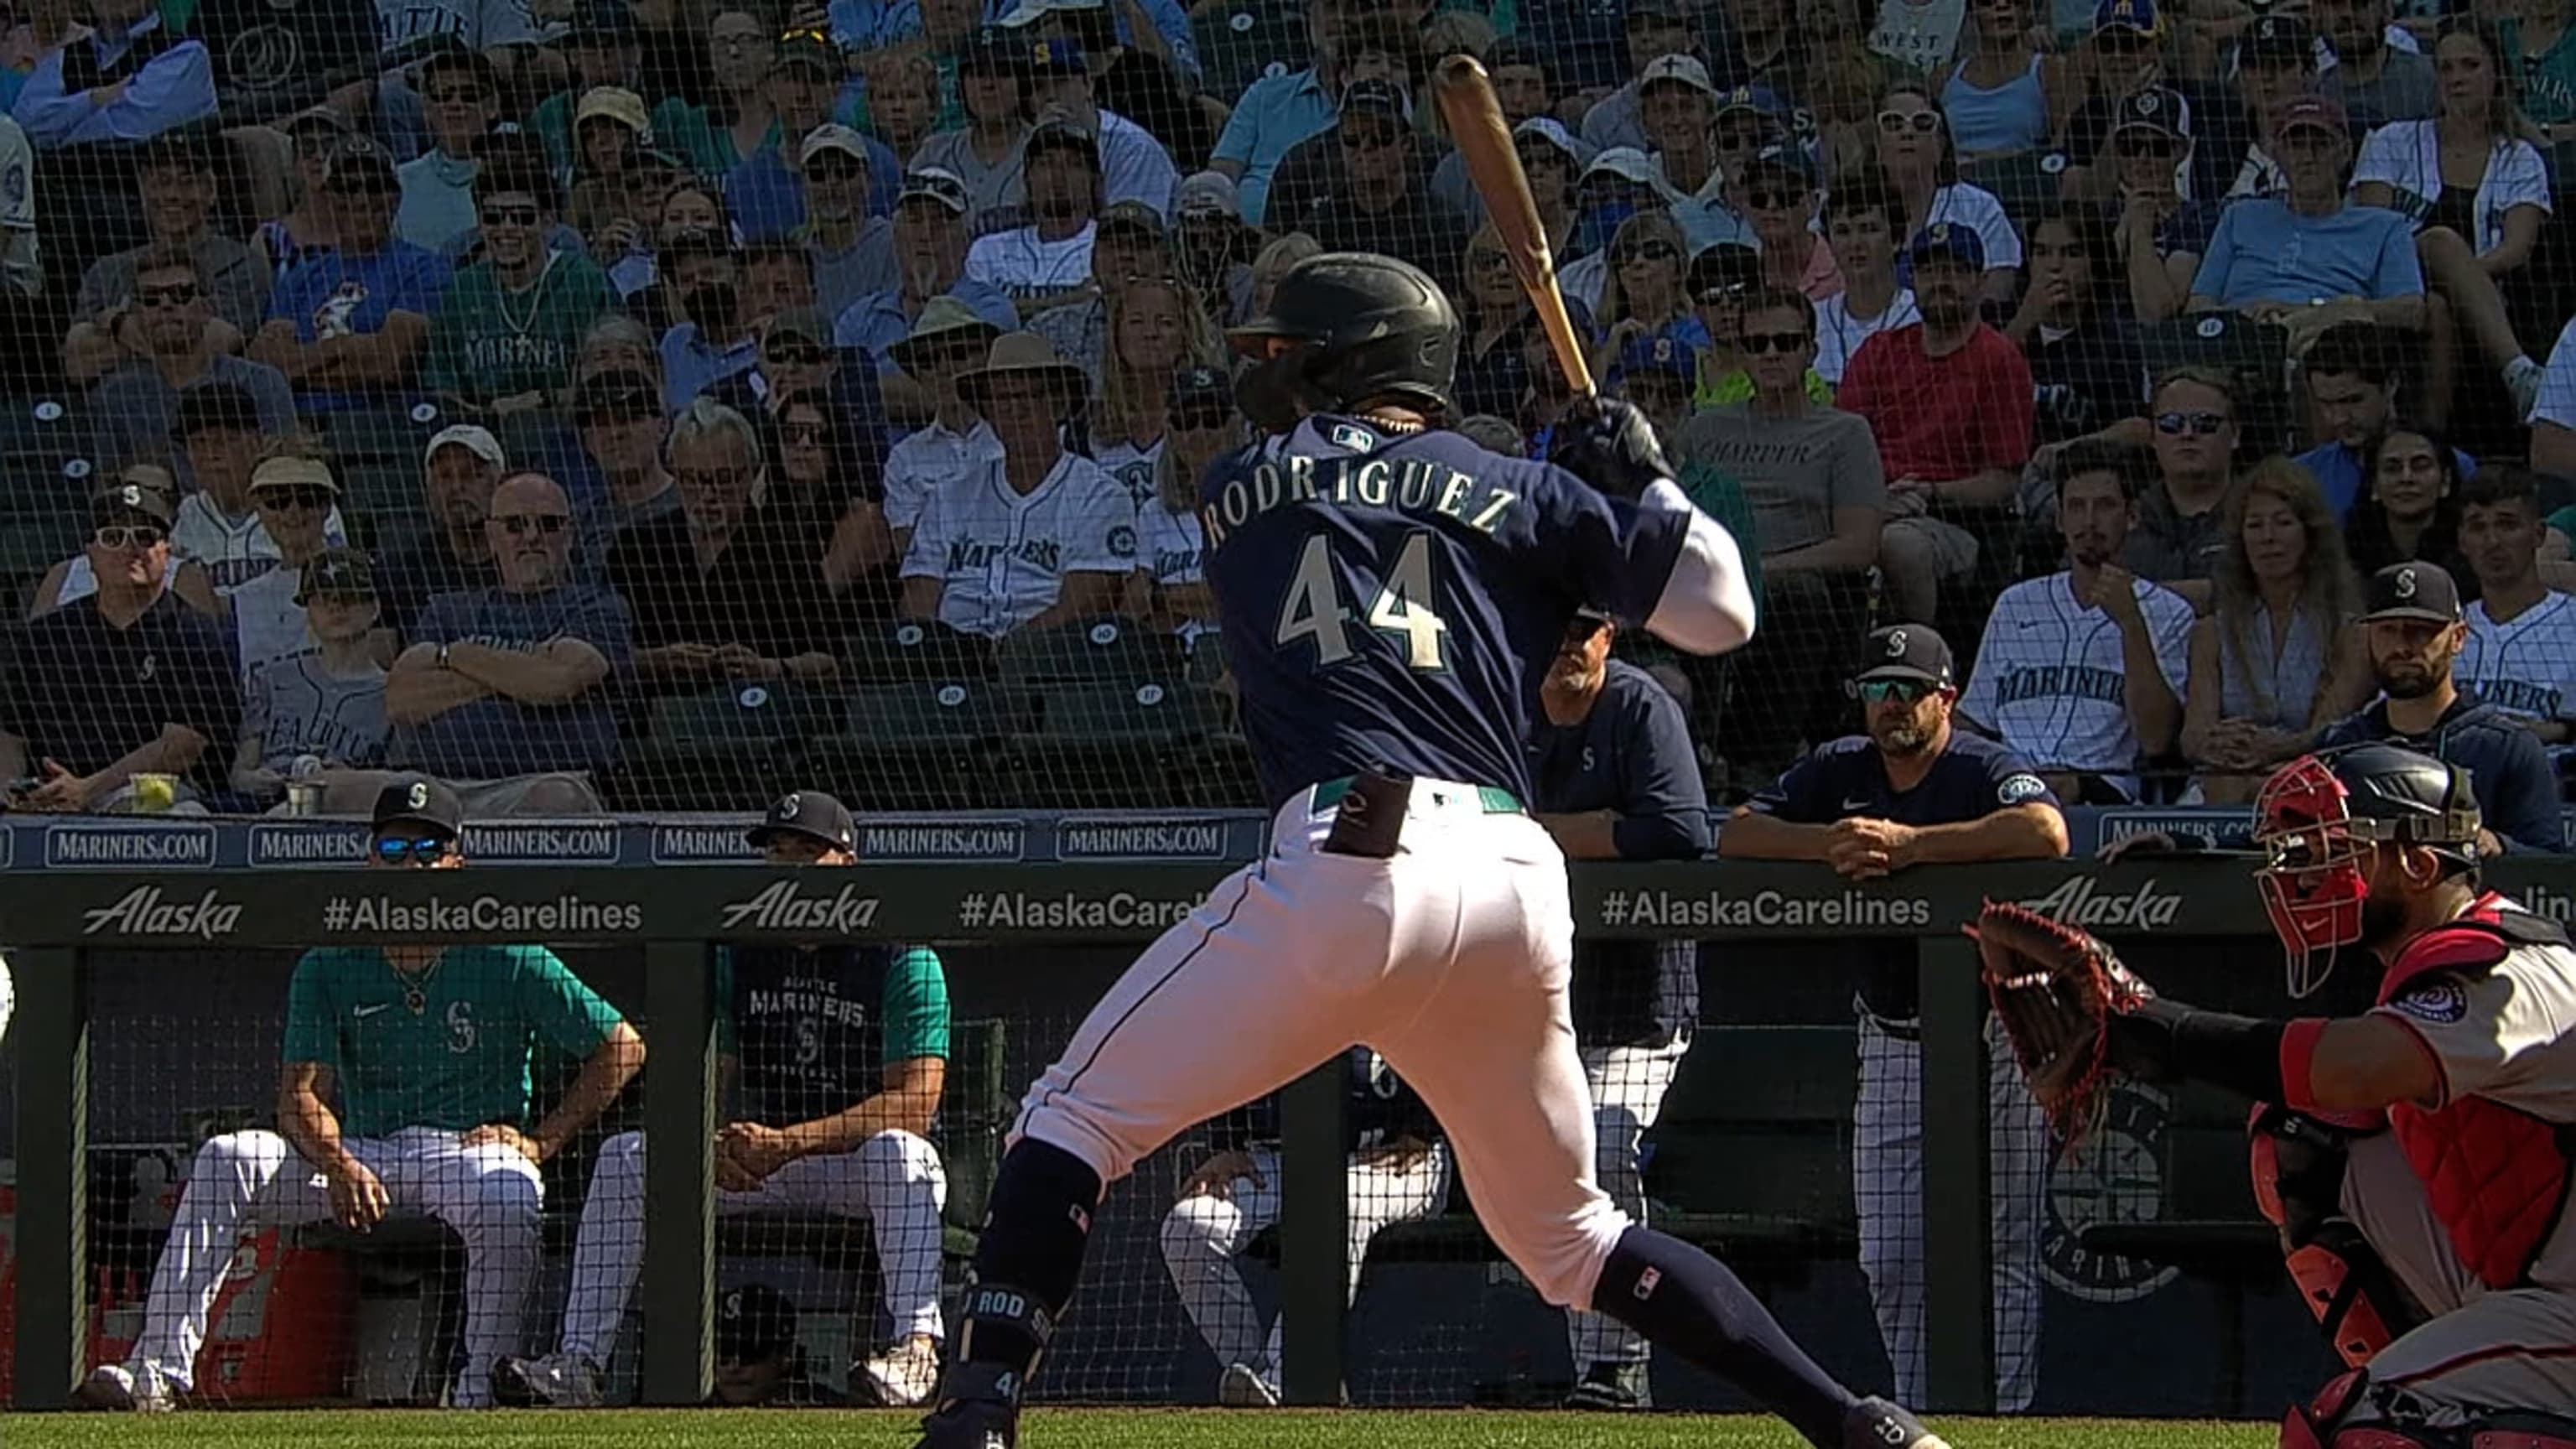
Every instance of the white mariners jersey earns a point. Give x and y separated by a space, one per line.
2050 680
478 24
1001 555
1171 548
1023 266
232 551
300 708
931 459
2526 665
1134 468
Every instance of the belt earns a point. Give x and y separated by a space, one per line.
1493 800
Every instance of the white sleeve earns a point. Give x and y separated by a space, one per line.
1979 701
2519 178
8 998
1706 606
924 560
2172 625
2381 157
2558 384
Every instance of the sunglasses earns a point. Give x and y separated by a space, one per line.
1199 420
456 95
1767 198
2198 425
2133 143
796 355
804 432
510 215
130 535
1762 344
1897 123
170 295
520 525
1653 251
307 497
1369 140
1903 691
413 850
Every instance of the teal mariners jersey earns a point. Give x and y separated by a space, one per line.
459 1062
814 1028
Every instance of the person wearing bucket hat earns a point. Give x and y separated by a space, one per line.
1047 263
293 494
956 443
971 564
326 702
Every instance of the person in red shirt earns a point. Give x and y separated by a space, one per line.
1949 400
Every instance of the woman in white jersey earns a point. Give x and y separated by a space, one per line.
1156 328
1169 590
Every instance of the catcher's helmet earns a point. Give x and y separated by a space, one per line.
1348 327
2316 818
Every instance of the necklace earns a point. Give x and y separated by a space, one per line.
535 292
416 988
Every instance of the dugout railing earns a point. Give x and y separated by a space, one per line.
54 922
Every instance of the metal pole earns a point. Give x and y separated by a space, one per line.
1314 1237
1958 1301
52 1034
679 1175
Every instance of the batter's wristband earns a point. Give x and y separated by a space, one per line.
2299 1042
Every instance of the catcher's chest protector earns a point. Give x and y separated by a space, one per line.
2495 1175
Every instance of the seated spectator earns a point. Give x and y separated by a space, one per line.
2177 538
293 493
506 693
2374 81
217 532
930 258
618 343
1722 278
2352 375
777 276
135 406
2082 671
2520 653
1812 479
510 325
131 78
736 119
2311 258
719 591
1776 191
2277 658
2276 63
853 253
175 178
1047 263
2535 34
622 425
1949 400
1157 329
1495 321
617 217
604 51
2413 508
2415 632
1525 87
1863 223
827 493
2006 96
1656 374
2161 234
1642 296
125 681
1211 247
796 356
73 578
322 711
642 276
1917 161
766 191
712 338
2079 340
1035 538
956 444
2474 233
349 327
2131 54
1618 185
1385 204
1058 83
904 84
463 92
1278 111
984 148
459 470
1127 247
1650 31
303 231
1169 589
1677 114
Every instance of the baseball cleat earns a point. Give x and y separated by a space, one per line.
1878 1424
1617 1388
116 1389
1243 1388
970 1424
903 1376
556 1381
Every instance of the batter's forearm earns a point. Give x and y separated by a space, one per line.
603 1076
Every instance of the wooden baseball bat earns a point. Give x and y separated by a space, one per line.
1484 142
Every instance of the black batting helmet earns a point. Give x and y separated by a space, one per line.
2316 819
1350 327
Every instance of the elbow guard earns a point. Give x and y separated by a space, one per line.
2298 1167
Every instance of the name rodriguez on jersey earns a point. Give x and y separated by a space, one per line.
1418 485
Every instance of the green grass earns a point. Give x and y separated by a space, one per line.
1057 1429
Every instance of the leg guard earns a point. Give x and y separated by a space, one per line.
2314 1424
2520 1430
2298 1165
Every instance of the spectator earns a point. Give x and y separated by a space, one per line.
2311 259
131 78
827 495
1159 329
1134 166
2415 632
219 432
327 703
1656 374
1128 247
174 315
1677 112
1776 190
1613 776
2079 340
505 693
1047 262
1863 221
605 52
419 1125
2374 81
738 120
2276 63
2413 511
622 427
2277 658
618 343
2473 232
175 178
853 253
73 578
1750 120
956 445
1917 790
1722 278
714 338
903 88
2082 671
2520 652
1278 111
1642 296
1496 322
304 230
1652 30
1949 400
766 191
1035 538
2128 59
1273 261
349 327
777 276
293 494
1916 160
2161 233
643 278
758 1358
1812 479
1169 589
987 153
438 192
2177 537
459 470
614 206
1524 87
2535 36
2006 96
2352 378
509 327
125 681
1212 248
1384 204
930 258
1614 187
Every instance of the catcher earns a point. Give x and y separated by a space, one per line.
2414 1157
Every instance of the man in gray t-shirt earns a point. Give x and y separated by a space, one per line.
2376 82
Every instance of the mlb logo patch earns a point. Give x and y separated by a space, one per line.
1351 436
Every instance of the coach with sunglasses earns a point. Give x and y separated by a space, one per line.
1913 790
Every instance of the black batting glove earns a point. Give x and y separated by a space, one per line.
1610 445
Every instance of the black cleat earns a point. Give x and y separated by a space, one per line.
1878 1424
971 1424
1614 1388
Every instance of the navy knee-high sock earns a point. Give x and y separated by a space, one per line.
1036 1227
1694 1305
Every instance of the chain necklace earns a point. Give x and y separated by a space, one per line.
416 988
535 292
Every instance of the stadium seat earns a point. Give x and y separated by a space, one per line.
715 749
1112 746
1105 649
2026 182
910 651
2255 354
921 745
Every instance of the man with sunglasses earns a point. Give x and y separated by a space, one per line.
509 329
219 434
293 493
853 253
2178 539
2310 258
1914 789
766 192
175 181
348 327
957 443
174 317
462 91
930 258
619 413
1384 203
403 1089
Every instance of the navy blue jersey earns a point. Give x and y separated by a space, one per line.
1391 601
1973 778
2509 771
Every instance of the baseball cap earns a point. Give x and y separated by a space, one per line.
360 160
934 183
610 21
340 570
1551 132
2280 38
805 322
1131 216
473 438
809 813
2413 589
1208 193
1628 164
1380 97
1956 241
2138 15
313 117
2156 108
754 1323
1057 58
1518 50
292 473
1681 69
122 495
1661 353
622 391
1723 269
186 149
211 405
1789 161
809 50
1906 651
832 136
1760 100
992 51
615 103
420 801
1065 132
2322 113
1201 396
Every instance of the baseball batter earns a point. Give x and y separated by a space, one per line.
428 1048
1390 595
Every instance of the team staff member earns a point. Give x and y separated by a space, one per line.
428 1048
840 1053
1615 778
1915 791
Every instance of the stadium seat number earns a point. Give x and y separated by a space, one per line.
1402 609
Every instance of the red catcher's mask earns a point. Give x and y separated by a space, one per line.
2312 878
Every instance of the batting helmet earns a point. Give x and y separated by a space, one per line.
1345 328
2315 820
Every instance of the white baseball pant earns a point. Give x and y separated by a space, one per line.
1449 958
489 1195
8 998
893 1179
1887 1188
1628 1086
1204 1235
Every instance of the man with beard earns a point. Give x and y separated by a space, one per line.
1615 777
2415 631
176 181
2375 81
1914 791
2083 670
174 312
2521 649
349 325
1048 262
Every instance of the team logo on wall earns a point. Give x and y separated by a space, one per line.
2118 1177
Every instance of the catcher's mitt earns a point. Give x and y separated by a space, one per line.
2055 988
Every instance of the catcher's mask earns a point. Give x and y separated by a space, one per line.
2315 823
